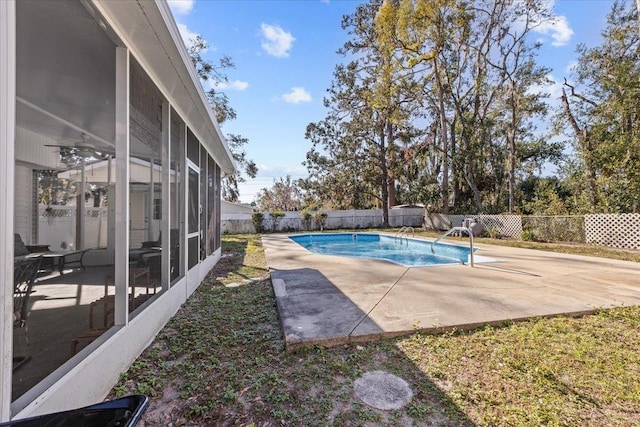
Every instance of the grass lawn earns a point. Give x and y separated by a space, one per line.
221 362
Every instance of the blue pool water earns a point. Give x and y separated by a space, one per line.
403 251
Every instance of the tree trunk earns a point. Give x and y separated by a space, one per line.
511 135
391 180
443 136
589 170
469 174
585 146
456 176
385 178
471 181
391 190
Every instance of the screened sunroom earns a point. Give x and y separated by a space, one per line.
111 161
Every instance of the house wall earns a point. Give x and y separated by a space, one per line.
23 207
101 363
137 217
234 208
152 38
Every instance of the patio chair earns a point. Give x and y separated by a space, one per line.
151 246
20 250
25 272
153 243
153 259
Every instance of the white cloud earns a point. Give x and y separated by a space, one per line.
281 171
180 7
187 35
571 67
559 30
277 42
234 85
553 88
297 95
544 21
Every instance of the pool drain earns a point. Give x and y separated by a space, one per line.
382 390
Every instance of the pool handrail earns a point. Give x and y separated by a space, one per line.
403 232
468 230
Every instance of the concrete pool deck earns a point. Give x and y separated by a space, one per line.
332 300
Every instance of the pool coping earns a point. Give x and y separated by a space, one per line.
331 300
453 260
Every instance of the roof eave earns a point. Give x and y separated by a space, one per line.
150 32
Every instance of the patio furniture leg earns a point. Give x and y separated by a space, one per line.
63 260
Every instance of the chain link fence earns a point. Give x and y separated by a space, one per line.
618 231
568 228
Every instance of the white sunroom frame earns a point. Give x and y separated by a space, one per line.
148 33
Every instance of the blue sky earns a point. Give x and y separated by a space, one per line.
285 54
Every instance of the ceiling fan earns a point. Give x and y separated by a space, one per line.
83 148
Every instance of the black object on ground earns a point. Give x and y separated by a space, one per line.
123 412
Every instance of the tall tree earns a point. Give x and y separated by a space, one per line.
475 64
438 92
422 32
602 108
493 65
236 146
367 111
284 195
517 66
209 71
341 172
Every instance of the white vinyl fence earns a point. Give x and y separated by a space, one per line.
57 227
612 230
345 219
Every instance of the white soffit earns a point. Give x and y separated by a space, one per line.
150 32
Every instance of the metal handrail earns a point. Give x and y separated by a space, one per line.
468 230
404 231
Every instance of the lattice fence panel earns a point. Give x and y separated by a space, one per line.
615 230
503 225
56 212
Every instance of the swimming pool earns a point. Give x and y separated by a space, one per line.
403 251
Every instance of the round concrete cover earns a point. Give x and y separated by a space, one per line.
382 390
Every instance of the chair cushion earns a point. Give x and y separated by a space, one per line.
19 247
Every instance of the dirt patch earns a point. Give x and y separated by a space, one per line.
165 410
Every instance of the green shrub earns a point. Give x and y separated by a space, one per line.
276 217
493 233
529 235
257 219
305 217
321 219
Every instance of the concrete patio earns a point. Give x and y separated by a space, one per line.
59 313
332 300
